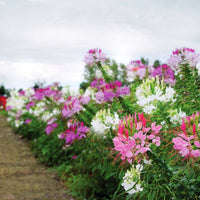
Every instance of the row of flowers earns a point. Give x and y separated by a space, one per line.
139 119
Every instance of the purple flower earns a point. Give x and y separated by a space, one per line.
164 71
99 97
76 131
70 137
109 95
111 90
123 91
28 121
98 83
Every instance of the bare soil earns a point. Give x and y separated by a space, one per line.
22 177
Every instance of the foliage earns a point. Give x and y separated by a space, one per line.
125 135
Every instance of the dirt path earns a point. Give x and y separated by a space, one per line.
22 177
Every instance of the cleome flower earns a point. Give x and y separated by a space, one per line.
75 131
151 91
73 105
131 180
107 91
135 69
103 121
176 115
134 138
183 56
164 72
94 56
188 141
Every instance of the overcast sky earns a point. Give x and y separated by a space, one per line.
46 39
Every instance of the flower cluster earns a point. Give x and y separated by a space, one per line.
73 105
75 131
181 57
103 121
165 73
131 180
94 56
151 91
134 138
51 125
98 83
176 116
135 69
188 141
108 91
50 128
49 91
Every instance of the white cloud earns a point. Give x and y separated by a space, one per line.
47 39
40 1
2 3
24 74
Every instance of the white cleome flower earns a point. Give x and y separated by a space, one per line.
98 127
151 92
131 180
176 116
103 121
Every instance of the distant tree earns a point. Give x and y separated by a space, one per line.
4 91
39 84
156 63
144 61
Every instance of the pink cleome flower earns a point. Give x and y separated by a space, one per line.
183 56
133 139
188 141
50 128
94 56
136 69
73 105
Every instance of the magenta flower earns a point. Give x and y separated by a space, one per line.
76 131
21 93
49 91
98 83
107 91
50 128
94 56
28 121
188 142
74 157
73 105
30 105
133 139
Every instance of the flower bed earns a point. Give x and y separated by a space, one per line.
132 132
